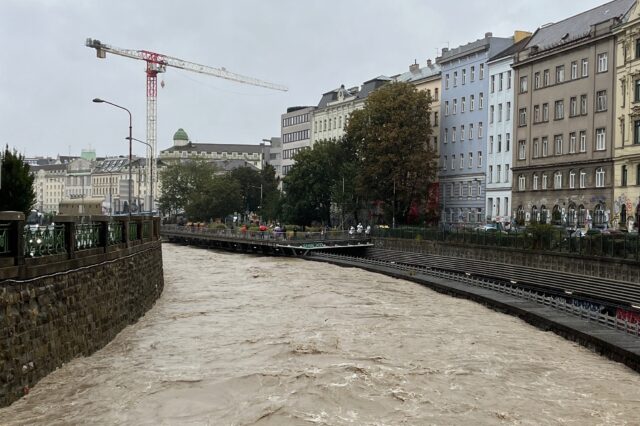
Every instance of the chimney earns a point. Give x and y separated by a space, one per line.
488 35
445 50
414 67
429 63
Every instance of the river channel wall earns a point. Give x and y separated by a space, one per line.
78 302
599 267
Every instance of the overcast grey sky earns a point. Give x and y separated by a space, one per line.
48 77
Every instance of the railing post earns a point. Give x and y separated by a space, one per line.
16 234
104 230
124 220
69 223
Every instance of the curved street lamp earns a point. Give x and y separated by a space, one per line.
101 101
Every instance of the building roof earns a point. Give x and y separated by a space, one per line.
215 147
578 26
511 50
180 135
416 73
48 167
371 85
228 165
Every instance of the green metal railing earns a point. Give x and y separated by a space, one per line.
4 239
115 233
44 240
146 229
87 236
133 231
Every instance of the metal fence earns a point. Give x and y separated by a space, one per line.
554 302
614 245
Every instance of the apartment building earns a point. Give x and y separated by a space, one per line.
564 127
463 121
295 135
500 131
626 151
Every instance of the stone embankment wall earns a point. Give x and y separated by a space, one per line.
50 320
611 268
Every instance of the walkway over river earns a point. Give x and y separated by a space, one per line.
244 339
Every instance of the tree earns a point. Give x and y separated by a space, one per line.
16 183
310 183
389 136
183 183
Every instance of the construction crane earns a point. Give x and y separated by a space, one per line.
157 63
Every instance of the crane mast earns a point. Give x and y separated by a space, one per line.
157 63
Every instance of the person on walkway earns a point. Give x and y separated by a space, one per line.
360 228
367 231
352 231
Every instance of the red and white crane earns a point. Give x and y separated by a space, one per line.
158 63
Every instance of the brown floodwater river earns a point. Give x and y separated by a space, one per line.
246 340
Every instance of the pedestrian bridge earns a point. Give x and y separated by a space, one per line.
291 243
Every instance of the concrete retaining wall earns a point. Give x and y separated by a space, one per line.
611 268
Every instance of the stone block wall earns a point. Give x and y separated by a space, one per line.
47 321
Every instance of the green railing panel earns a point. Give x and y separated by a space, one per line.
133 231
115 233
44 240
87 236
4 239
146 230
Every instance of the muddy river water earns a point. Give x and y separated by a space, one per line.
246 340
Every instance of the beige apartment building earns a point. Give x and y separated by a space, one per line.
563 171
626 153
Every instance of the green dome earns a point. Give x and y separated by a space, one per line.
180 135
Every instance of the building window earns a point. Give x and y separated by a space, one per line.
500 83
470 159
573 106
535 181
636 90
544 181
462 133
453 162
481 72
545 78
522 117
638 48
471 103
572 179
574 70
559 110
523 84
493 84
461 161
602 62
491 113
508 113
558 144
509 79
536 148
545 112
490 174
446 81
559 74
499 113
585 67
522 150
638 174
499 143
437 95
472 74
444 163
446 135
455 106
545 146
455 78
491 144
601 100
522 182
453 134
506 173
599 177
498 173
479 158
572 142
583 141
480 130
557 180
600 139
508 142
583 179
464 76
470 131
636 132
463 103
623 176
446 108
536 80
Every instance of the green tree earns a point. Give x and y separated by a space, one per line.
310 183
219 197
16 183
249 181
389 137
183 183
270 208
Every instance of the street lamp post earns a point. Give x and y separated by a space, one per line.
100 101
150 168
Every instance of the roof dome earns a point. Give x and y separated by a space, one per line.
180 135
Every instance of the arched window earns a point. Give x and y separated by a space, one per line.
556 215
522 182
557 180
598 215
571 215
535 181
623 216
544 213
582 216
544 181
572 179
520 214
534 214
